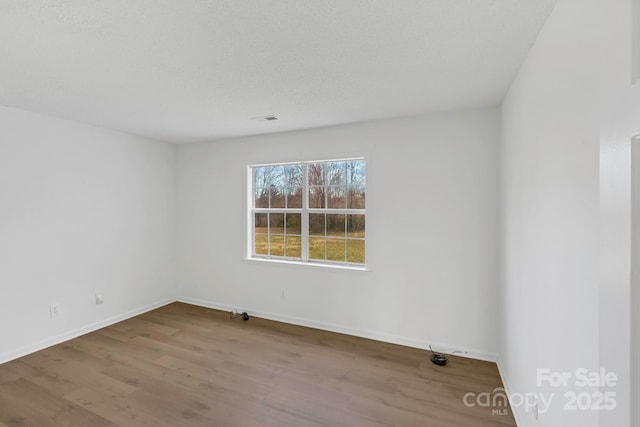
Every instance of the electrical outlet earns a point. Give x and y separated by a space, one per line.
99 299
54 310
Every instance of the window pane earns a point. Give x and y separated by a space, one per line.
294 247
277 176
260 223
316 197
317 224
294 224
276 223
355 251
266 176
335 172
292 175
335 225
335 249
336 198
277 197
316 174
316 248
355 226
355 197
276 245
258 177
262 244
356 172
294 197
262 197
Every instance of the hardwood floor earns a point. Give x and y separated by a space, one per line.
182 365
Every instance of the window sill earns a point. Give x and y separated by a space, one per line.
277 261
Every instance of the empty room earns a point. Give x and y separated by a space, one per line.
320 213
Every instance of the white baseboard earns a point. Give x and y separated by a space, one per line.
409 342
58 339
505 384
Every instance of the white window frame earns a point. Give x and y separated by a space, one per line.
635 42
305 211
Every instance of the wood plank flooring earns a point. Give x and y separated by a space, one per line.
182 365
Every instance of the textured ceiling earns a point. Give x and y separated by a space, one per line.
193 70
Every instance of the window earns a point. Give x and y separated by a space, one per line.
309 211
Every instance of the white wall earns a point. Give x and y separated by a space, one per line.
620 121
550 213
432 225
82 210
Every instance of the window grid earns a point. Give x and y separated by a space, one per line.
352 243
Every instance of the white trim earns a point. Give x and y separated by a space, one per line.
322 264
388 338
294 162
505 385
634 294
635 41
69 335
331 327
305 215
